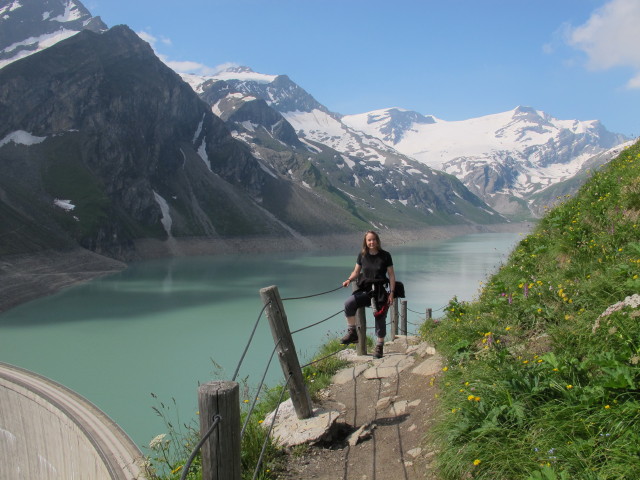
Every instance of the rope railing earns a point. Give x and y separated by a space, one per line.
274 309
268 435
317 323
235 374
255 397
313 295
318 360
185 470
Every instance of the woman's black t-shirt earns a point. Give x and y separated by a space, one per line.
373 268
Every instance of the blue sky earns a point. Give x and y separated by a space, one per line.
455 59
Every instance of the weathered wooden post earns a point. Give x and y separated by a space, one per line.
221 452
286 352
361 326
429 314
403 318
394 319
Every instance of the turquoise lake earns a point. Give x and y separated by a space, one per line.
162 327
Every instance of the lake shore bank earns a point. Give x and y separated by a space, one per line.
26 277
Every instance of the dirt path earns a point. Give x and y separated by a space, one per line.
395 398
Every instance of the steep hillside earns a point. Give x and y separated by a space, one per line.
543 368
102 144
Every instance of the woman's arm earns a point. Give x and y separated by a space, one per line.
392 283
352 276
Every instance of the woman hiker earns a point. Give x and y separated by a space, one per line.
373 272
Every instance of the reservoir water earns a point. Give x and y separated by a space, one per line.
162 327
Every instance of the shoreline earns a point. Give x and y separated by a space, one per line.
27 277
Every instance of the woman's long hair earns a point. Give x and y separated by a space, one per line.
365 249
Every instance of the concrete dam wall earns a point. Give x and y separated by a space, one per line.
50 432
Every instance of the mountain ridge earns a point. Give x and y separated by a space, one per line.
163 155
506 159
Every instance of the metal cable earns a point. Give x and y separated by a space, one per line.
249 342
314 295
185 471
255 398
317 323
373 327
266 438
320 359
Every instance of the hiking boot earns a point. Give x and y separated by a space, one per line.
377 353
350 337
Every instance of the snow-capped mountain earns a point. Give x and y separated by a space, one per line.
28 26
262 108
310 119
503 158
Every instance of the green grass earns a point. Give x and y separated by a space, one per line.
542 378
167 453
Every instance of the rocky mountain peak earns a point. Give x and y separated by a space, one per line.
394 122
239 69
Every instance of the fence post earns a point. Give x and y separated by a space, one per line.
429 314
361 326
286 351
394 319
403 318
221 452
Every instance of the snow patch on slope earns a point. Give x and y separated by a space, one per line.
20 137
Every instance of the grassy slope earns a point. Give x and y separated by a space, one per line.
540 382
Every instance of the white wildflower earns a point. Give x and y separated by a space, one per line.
632 301
157 441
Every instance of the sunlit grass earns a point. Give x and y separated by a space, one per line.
542 378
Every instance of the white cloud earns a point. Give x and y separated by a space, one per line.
634 82
181 66
152 39
611 37
193 67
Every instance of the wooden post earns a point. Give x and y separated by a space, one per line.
286 352
403 318
394 319
429 314
221 452
361 327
